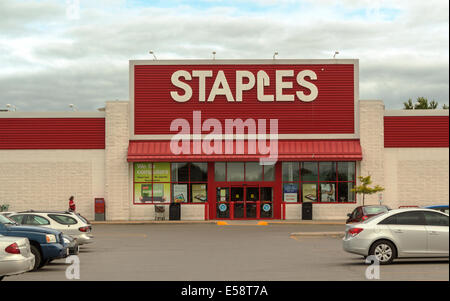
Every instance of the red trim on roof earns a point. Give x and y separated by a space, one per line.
305 150
416 131
52 133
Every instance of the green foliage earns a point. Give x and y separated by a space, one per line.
421 104
408 105
364 188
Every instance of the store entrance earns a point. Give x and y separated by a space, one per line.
244 202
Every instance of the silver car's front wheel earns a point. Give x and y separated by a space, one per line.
384 251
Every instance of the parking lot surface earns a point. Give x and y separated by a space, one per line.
165 252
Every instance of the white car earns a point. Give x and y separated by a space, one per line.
400 233
68 223
15 256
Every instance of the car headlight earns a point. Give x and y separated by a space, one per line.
50 238
66 241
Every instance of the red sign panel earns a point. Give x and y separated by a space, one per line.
306 99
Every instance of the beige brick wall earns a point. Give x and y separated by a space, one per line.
417 176
320 211
372 142
45 179
116 165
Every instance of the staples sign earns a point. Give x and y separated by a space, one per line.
314 98
245 80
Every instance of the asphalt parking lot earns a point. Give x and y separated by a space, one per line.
165 252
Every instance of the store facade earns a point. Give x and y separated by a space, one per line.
227 140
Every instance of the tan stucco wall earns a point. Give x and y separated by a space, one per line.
45 179
416 176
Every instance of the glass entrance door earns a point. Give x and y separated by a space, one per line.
244 202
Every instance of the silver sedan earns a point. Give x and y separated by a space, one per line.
400 233
15 256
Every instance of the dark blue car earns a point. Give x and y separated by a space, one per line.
442 208
46 244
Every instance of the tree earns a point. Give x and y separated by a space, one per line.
364 188
445 107
408 105
421 104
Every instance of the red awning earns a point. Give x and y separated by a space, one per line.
288 150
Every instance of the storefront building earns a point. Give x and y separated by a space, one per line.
227 140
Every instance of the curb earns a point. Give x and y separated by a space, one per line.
220 222
313 234
149 222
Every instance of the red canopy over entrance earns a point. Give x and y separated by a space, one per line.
288 150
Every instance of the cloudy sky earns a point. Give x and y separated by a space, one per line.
57 52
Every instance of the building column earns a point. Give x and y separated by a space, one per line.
371 116
116 165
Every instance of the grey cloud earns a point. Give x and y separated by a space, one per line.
398 59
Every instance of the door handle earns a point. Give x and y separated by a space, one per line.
433 233
397 231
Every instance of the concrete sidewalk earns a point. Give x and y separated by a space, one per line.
226 222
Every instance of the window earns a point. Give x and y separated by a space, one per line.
406 218
391 220
436 219
253 171
243 172
17 218
321 182
63 219
290 171
164 182
269 172
220 171
327 171
36 220
235 171
346 171
199 172
309 171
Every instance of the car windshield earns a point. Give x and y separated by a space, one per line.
375 210
5 220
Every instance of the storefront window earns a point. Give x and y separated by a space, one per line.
253 171
269 172
220 171
244 171
199 172
327 171
290 171
345 193
328 192
346 171
318 182
163 182
180 172
235 171
290 192
309 171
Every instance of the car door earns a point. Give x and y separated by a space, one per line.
437 229
410 234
